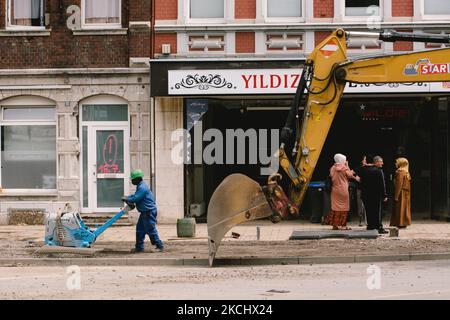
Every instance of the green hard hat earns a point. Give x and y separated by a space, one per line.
136 174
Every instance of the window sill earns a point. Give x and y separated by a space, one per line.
28 193
435 17
203 21
284 20
25 33
362 18
100 32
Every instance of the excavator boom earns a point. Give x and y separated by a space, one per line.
325 74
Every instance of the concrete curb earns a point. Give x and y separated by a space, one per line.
61 262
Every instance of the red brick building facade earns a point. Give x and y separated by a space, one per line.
56 46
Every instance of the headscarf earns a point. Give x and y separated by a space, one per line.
402 164
340 158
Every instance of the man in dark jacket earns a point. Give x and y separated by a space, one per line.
373 192
146 205
359 203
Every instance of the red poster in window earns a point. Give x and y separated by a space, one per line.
109 154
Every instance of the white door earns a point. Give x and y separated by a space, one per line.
104 129
107 167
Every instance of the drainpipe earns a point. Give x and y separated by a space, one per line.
152 100
152 32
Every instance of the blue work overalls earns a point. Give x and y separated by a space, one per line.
145 204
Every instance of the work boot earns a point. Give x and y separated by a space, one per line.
137 250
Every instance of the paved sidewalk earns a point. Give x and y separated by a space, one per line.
423 229
424 240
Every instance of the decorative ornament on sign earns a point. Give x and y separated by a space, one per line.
203 82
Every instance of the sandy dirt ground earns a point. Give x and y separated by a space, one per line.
397 280
422 237
189 249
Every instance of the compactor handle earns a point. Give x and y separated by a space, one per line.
131 205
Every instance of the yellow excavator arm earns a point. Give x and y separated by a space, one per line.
330 70
325 74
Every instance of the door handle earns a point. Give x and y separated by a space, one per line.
94 173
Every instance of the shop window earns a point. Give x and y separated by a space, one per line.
23 14
102 13
362 8
28 148
113 112
436 8
207 9
284 8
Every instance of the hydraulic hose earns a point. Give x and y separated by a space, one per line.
290 125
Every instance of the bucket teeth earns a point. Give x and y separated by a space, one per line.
212 251
237 199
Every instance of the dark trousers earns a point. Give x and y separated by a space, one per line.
361 209
373 212
147 226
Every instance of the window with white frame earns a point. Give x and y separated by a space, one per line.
362 8
102 13
207 9
284 8
436 7
28 147
26 14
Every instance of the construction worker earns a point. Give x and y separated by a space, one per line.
146 205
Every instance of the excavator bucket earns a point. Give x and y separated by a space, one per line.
237 199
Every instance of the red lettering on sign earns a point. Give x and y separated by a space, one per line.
272 81
261 81
247 80
389 113
274 77
296 78
402 113
383 114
